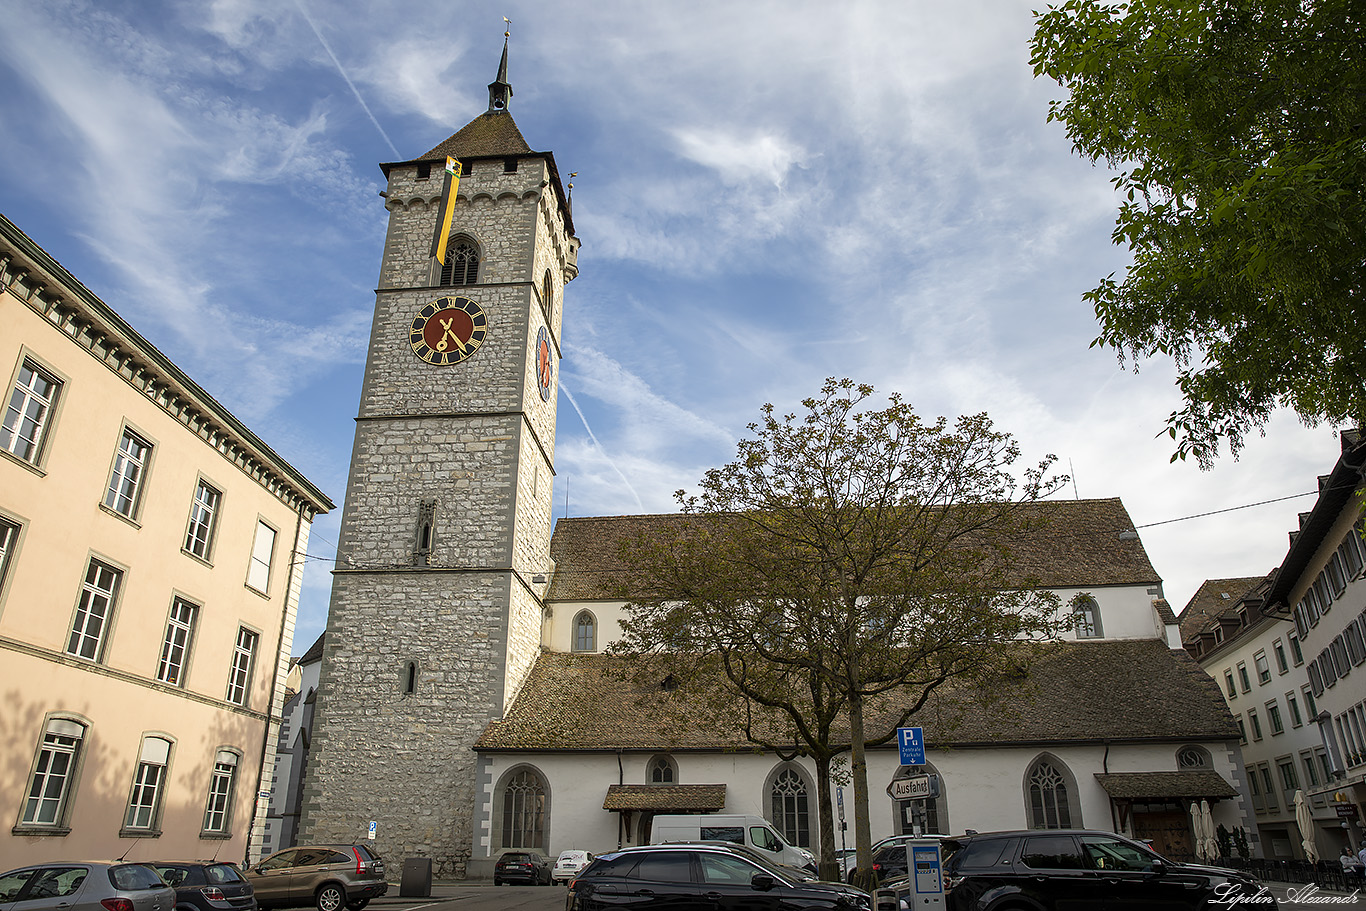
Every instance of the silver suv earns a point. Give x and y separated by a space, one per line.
332 877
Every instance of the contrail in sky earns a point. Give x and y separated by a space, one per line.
593 437
328 48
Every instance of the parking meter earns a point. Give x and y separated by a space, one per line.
925 864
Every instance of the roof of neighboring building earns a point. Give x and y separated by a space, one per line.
1071 544
1165 785
315 651
1116 690
1212 598
700 798
59 295
1335 492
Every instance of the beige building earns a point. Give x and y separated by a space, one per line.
151 551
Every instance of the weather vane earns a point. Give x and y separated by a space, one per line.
507 32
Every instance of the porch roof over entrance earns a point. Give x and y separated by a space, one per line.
1165 785
664 797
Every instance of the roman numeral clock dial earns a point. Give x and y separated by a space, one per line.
448 330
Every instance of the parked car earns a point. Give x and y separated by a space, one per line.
1080 868
661 877
889 856
207 885
528 867
332 877
568 865
86 887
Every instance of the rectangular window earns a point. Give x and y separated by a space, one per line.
262 551
1322 594
50 785
1356 647
1228 682
1309 704
1273 717
1289 780
1311 605
1296 654
1242 730
9 537
1242 677
125 481
29 412
145 799
1325 765
1340 659
1336 582
1263 668
1268 788
1293 704
94 611
1301 620
1350 552
175 648
1311 773
1256 724
1279 649
243 656
220 792
203 513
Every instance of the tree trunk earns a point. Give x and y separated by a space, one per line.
828 867
863 835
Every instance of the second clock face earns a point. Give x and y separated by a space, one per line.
448 330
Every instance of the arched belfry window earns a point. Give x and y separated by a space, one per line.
790 806
524 810
1051 795
548 294
462 262
585 632
662 771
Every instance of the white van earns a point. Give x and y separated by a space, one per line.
752 831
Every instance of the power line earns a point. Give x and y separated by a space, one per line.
1201 515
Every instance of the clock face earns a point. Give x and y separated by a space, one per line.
545 363
448 330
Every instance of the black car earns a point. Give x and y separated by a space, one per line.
528 867
1078 868
207 885
663 877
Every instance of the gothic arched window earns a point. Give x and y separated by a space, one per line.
790 807
524 810
462 262
663 771
1086 613
1050 793
585 632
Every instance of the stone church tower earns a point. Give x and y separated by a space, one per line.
444 552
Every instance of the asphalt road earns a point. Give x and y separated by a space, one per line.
476 897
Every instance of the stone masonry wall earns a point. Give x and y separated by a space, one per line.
477 438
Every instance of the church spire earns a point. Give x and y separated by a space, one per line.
500 90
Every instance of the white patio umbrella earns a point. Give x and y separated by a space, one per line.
1198 829
1306 824
1211 851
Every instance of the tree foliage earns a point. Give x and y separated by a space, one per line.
849 557
1240 129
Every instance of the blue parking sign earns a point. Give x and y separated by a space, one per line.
911 742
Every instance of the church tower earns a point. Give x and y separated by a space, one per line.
444 553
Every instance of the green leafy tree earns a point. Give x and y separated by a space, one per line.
1239 127
848 559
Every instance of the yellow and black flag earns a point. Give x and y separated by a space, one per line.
443 223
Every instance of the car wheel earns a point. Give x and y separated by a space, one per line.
331 897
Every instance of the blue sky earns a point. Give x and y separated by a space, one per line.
768 194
